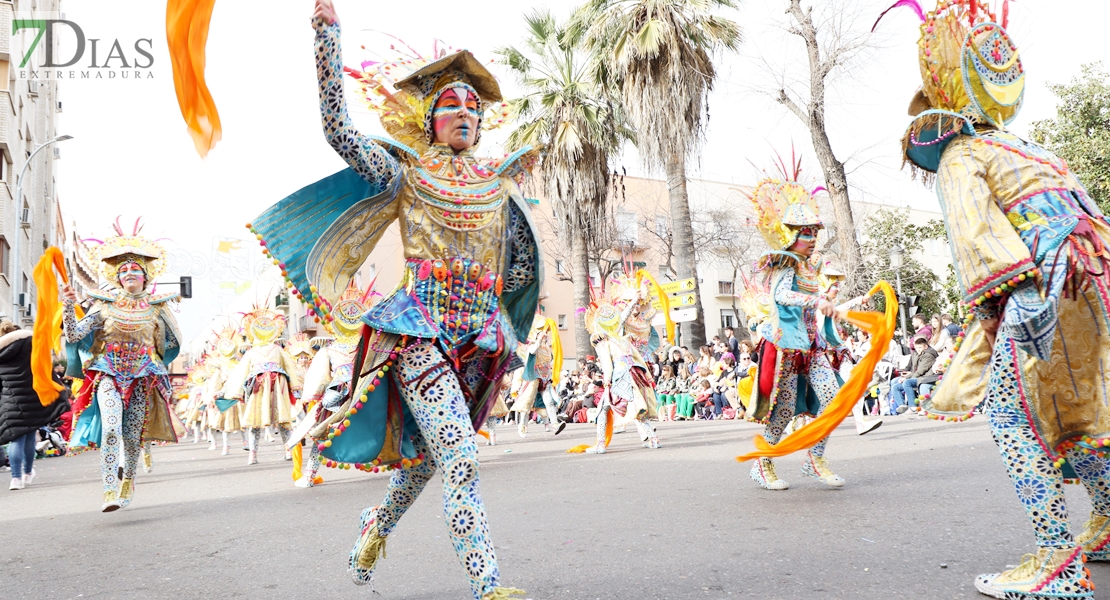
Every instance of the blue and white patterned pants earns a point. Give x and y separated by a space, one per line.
120 423
1039 484
821 377
431 390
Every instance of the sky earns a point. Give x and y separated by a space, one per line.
131 155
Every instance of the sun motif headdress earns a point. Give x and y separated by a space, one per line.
606 313
263 325
404 90
346 317
783 206
300 345
971 74
121 247
227 342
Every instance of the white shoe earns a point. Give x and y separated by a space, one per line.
29 477
288 455
252 458
17 484
598 449
225 451
303 482
212 445
523 429
868 426
547 428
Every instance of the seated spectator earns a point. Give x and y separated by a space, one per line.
903 390
665 391
684 400
926 384
703 402
724 385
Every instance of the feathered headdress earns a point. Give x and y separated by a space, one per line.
123 247
345 320
970 73
403 91
782 205
604 314
263 325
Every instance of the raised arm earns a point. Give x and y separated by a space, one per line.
366 157
76 330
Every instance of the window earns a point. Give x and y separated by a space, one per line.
934 245
5 250
5 166
560 267
628 230
728 318
724 288
561 321
662 224
3 74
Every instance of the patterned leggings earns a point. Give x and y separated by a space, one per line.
431 390
821 378
120 423
646 430
1039 484
256 433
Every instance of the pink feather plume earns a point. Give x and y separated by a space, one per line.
913 4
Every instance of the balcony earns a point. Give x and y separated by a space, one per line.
725 288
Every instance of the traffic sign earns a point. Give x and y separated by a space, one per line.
684 315
682 286
677 301
680 301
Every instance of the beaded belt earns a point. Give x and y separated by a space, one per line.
459 294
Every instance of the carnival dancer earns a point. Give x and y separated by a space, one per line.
499 410
433 351
328 379
794 377
222 363
1029 246
629 392
264 380
121 349
543 362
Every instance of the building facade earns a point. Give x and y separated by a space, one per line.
28 119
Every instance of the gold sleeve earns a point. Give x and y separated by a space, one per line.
986 249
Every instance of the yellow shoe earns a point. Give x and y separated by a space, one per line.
1054 573
126 492
763 472
1095 538
818 468
502 593
369 547
111 501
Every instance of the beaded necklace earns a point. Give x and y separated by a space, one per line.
460 194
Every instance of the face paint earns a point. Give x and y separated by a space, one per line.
131 272
455 117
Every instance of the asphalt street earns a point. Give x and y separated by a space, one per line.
927 506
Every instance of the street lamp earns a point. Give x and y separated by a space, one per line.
17 283
896 264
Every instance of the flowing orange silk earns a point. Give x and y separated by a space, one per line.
45 335
581 449
187 33
881 328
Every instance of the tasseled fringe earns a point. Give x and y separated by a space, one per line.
370 552
503 593
947 125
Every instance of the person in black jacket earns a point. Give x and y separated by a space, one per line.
903 391
21 413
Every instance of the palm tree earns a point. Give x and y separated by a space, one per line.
565 112
658 52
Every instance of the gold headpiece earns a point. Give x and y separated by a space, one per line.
121 248
603 315
970 73
419 79
783 206
227 342
346 318
263 325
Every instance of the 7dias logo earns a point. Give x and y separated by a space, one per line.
59 49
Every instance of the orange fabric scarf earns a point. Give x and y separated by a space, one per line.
187 33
